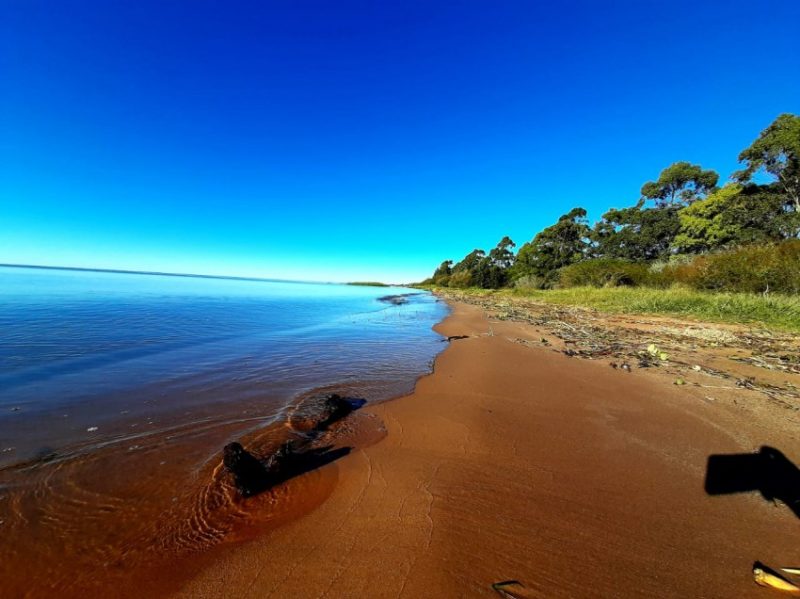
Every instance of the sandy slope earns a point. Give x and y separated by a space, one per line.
513 461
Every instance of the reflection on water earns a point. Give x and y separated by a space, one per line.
117 393
81 350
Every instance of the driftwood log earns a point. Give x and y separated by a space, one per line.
252 475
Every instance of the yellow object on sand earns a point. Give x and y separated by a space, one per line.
794 571
768 579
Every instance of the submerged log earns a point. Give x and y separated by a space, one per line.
249 475
397 300
317 412
335 408
252 475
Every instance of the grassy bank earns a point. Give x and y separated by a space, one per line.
771 311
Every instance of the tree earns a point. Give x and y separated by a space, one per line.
776 151
636 233
488 275
463 273
703 225
502 255
481 270
558 245
491 272
736 215
469 262
441 276
680 182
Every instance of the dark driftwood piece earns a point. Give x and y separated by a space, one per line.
249 475
397 300
336 407
252 475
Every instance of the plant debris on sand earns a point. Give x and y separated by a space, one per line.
736 353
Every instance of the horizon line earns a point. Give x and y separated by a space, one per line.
166 274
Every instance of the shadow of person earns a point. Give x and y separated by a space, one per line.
768 471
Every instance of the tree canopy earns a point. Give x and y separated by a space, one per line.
776 151
636 233
556 246
681 182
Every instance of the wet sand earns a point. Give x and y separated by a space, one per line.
138 516
514 461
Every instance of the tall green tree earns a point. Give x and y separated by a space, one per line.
556 246
503 255
735 215
488 275
492 271
680 183
776 151
636 233
479 269
703 224
470 261
441 276
463 274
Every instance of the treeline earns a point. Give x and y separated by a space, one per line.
685 228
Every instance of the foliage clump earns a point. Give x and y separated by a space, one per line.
751 269
605 272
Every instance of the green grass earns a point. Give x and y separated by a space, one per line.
771 311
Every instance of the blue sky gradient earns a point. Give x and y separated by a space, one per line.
360 140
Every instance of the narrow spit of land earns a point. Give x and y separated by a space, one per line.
527 455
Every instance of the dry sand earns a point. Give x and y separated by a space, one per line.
513 461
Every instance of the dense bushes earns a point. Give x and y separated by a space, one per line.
530 282
751 269
772 268
604 272
460 279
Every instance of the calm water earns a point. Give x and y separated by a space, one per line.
80 350
118 392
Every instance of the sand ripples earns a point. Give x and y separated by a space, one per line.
113 507
95 514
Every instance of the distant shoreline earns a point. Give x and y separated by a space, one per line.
165 274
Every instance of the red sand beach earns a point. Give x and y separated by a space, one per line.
515 462
512 460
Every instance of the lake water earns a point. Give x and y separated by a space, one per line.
119 391
80 349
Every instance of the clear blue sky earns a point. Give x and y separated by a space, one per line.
360 140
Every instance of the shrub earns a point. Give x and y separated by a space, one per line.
750 269
605 272
530 282
460 279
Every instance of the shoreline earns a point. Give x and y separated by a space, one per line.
511 461
147 508
520 455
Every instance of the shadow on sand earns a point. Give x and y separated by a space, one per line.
253 476
768 471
